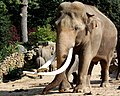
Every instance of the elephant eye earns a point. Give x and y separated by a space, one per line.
59 14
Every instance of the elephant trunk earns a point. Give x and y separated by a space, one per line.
63 45
62 51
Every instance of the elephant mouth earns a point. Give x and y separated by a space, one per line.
58 71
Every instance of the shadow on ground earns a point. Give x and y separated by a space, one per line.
22 92
33 91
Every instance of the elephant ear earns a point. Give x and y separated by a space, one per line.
92 22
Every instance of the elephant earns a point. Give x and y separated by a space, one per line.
40 61
84 31
46 53
118 57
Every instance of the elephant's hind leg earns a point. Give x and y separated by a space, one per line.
118 72
118 57
104 73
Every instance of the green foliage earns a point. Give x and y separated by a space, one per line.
4 26
40 10
38 13
43 34
14 73
4 32
2 7
7 50
13 7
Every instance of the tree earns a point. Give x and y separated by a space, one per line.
4 26
24 21
41 10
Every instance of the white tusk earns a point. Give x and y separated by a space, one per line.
28 72
48 62
58 71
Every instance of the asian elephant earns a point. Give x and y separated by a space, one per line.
83 30
45 52
118 57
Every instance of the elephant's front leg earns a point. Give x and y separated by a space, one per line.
65 84
82 73
89 74
56 82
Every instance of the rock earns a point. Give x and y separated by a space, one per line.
22 49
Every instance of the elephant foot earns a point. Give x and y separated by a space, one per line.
87 90
117 78
56 82
65 86
44 92
81 89
64 90
105 84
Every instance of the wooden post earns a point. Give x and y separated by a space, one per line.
24 21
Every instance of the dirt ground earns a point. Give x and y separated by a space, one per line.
33 87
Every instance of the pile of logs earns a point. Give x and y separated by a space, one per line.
15 60
27 59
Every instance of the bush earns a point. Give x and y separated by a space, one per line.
43 34
5 37
15 37
7 50
4 25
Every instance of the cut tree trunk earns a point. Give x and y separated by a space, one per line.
24 20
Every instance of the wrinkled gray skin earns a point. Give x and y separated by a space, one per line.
46 53
39 60
93 38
